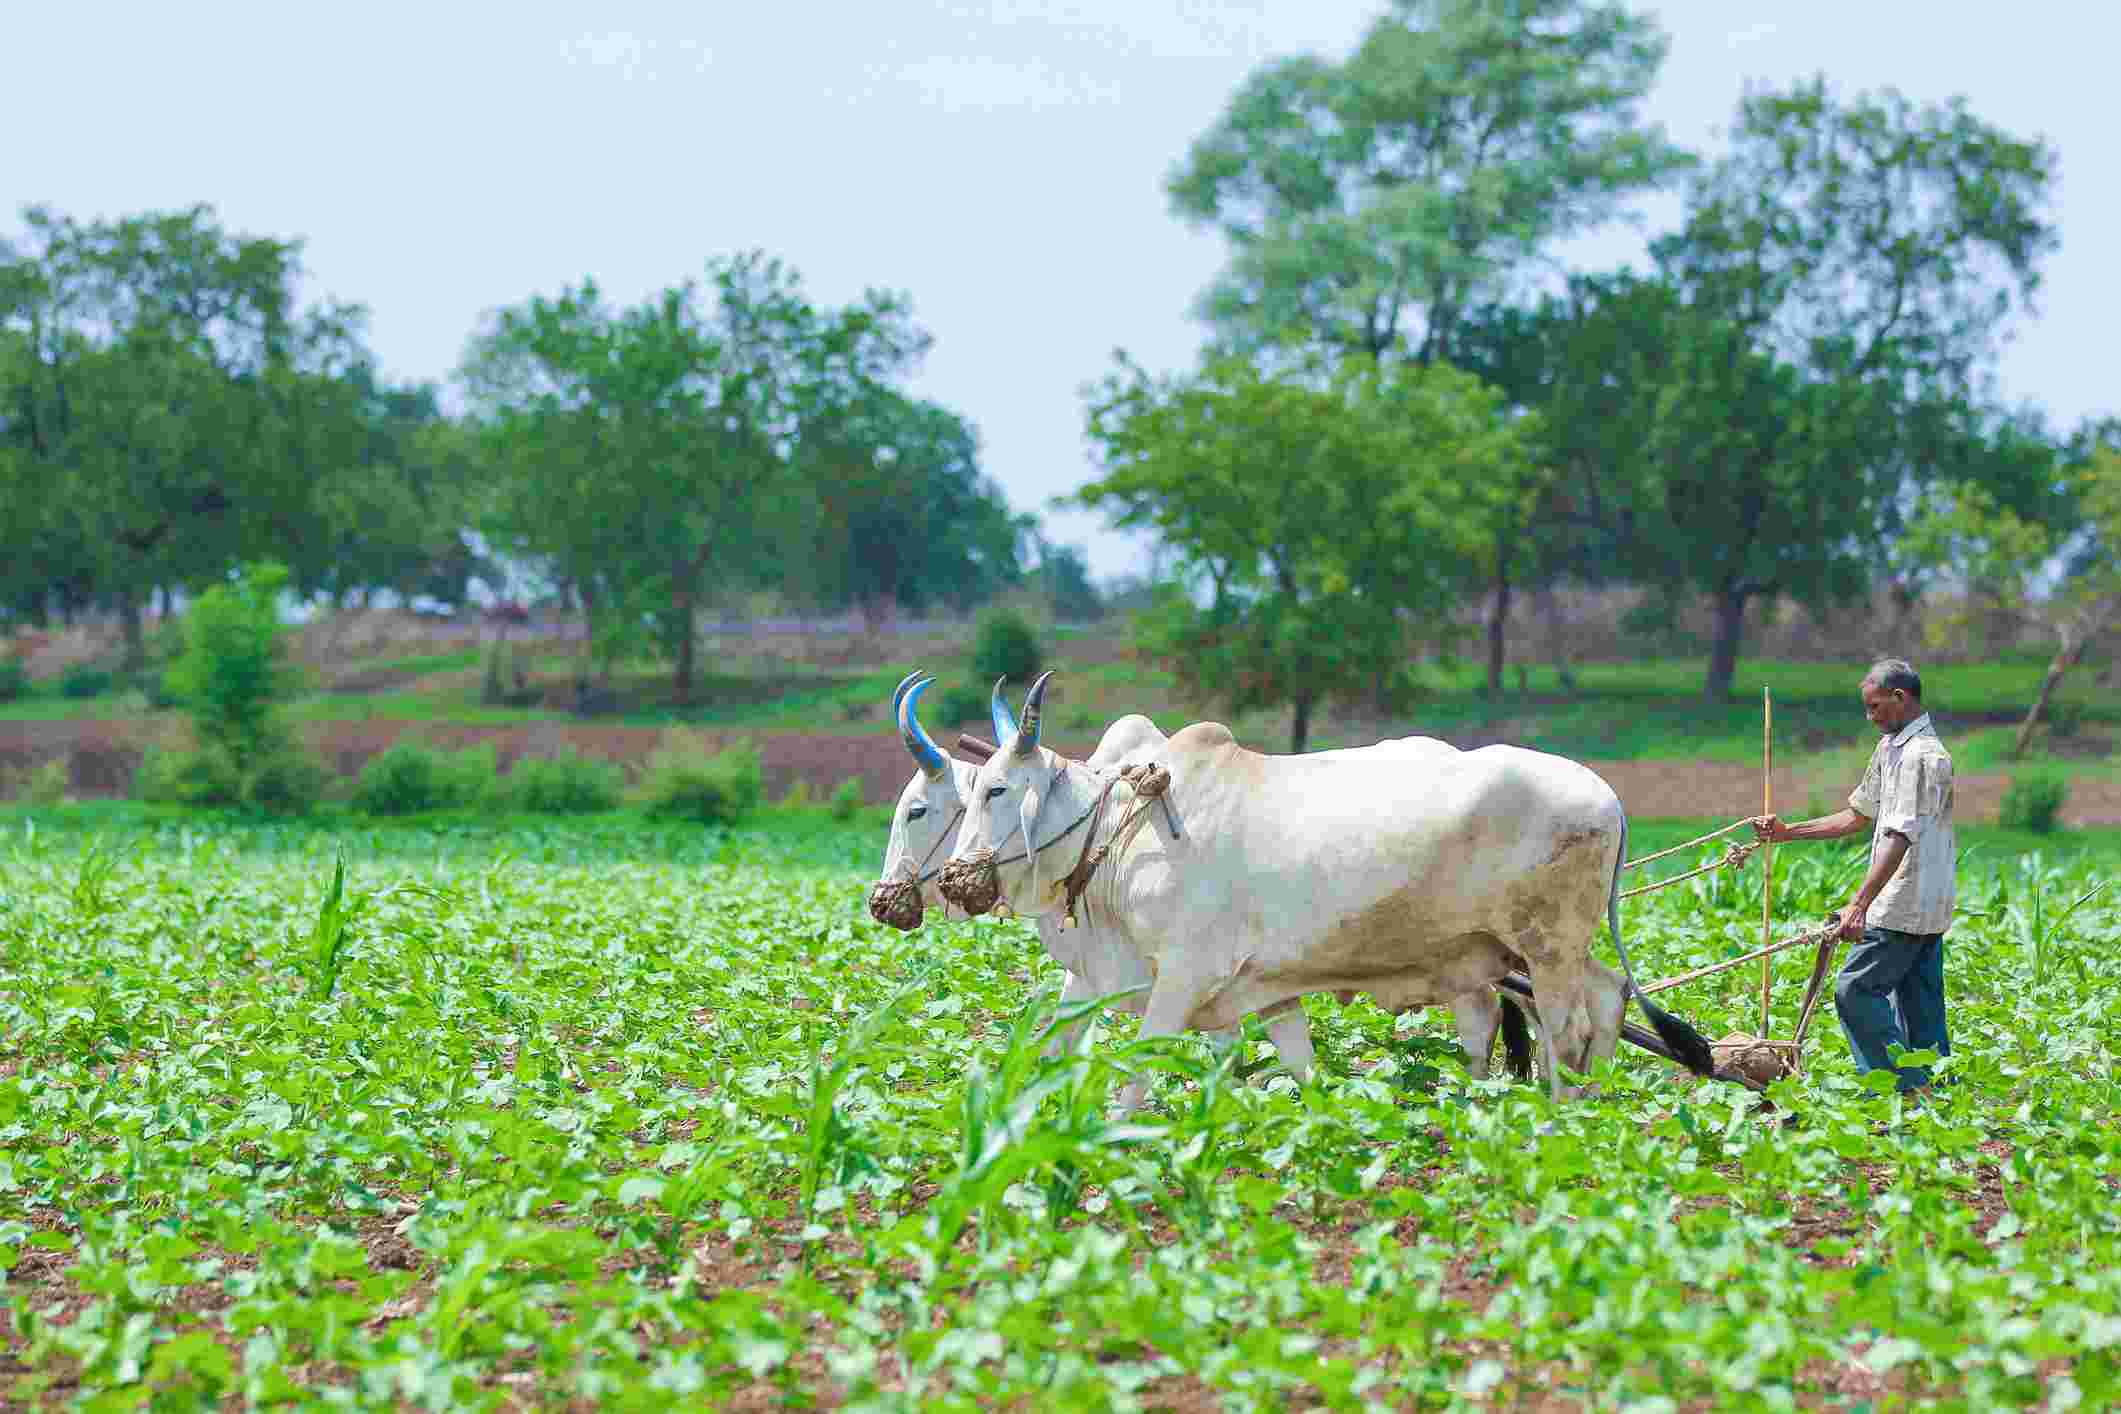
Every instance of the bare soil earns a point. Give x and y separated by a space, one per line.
104 754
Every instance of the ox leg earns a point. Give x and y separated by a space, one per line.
1063 1038
1479 1016
1290 1031
1552 1014
1164 1016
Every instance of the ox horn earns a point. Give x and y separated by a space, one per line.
1034 701
898 694
998 712
925 752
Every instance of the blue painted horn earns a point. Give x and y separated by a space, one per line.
1034 701
925 752
998 712
898 694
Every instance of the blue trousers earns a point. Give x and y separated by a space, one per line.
1891 990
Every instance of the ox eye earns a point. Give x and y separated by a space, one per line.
997 792
915 812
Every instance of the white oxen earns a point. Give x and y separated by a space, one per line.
1417 880
924 830
1098 958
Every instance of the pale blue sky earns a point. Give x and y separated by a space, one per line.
1001 162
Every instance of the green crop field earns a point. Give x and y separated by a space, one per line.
531 1115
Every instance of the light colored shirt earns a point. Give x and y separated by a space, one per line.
1908 790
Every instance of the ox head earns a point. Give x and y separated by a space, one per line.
925 822
1005 802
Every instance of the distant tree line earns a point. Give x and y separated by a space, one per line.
1795 399
1403 405
170 409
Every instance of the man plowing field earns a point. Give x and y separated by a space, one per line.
1891 988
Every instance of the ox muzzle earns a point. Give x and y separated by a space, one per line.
973 883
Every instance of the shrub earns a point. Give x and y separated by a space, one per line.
1004 645
2034 802
14 679
797 797
686 781
206 776
565 784
961 703
412 777
230 675
285 778
83 682
36 785
849 798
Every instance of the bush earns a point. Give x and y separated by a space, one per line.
686 781
2034 802
1004 645
412 777
84 682
14 679
204 777
285 779
849 798
565 784
36 785
230 675
961 703
797 797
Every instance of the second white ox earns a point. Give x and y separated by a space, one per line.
1098 959
1415 880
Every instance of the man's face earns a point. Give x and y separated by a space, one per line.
1888 711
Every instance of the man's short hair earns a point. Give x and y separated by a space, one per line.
1896 675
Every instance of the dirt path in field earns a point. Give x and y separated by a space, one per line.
103 755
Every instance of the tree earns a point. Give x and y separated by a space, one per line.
1325 514
160 397
2003 558
1371 204
1816 344
901 512
651 449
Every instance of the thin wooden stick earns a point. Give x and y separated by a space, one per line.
1767 847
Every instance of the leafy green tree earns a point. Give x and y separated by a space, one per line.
162 399
2006 560
1324 515
901 513
648 452
1371 204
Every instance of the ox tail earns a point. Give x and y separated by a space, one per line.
1685 1042
1516 1040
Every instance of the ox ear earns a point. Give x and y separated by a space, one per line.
998 712
1027 820
1034 703
925 752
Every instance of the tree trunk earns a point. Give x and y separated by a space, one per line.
1723 654
1498 622
1548 604
135 636
684 602
2071 653
1300 724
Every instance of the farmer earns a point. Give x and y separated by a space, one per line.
1891 989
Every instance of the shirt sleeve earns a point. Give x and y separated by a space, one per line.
1864 798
